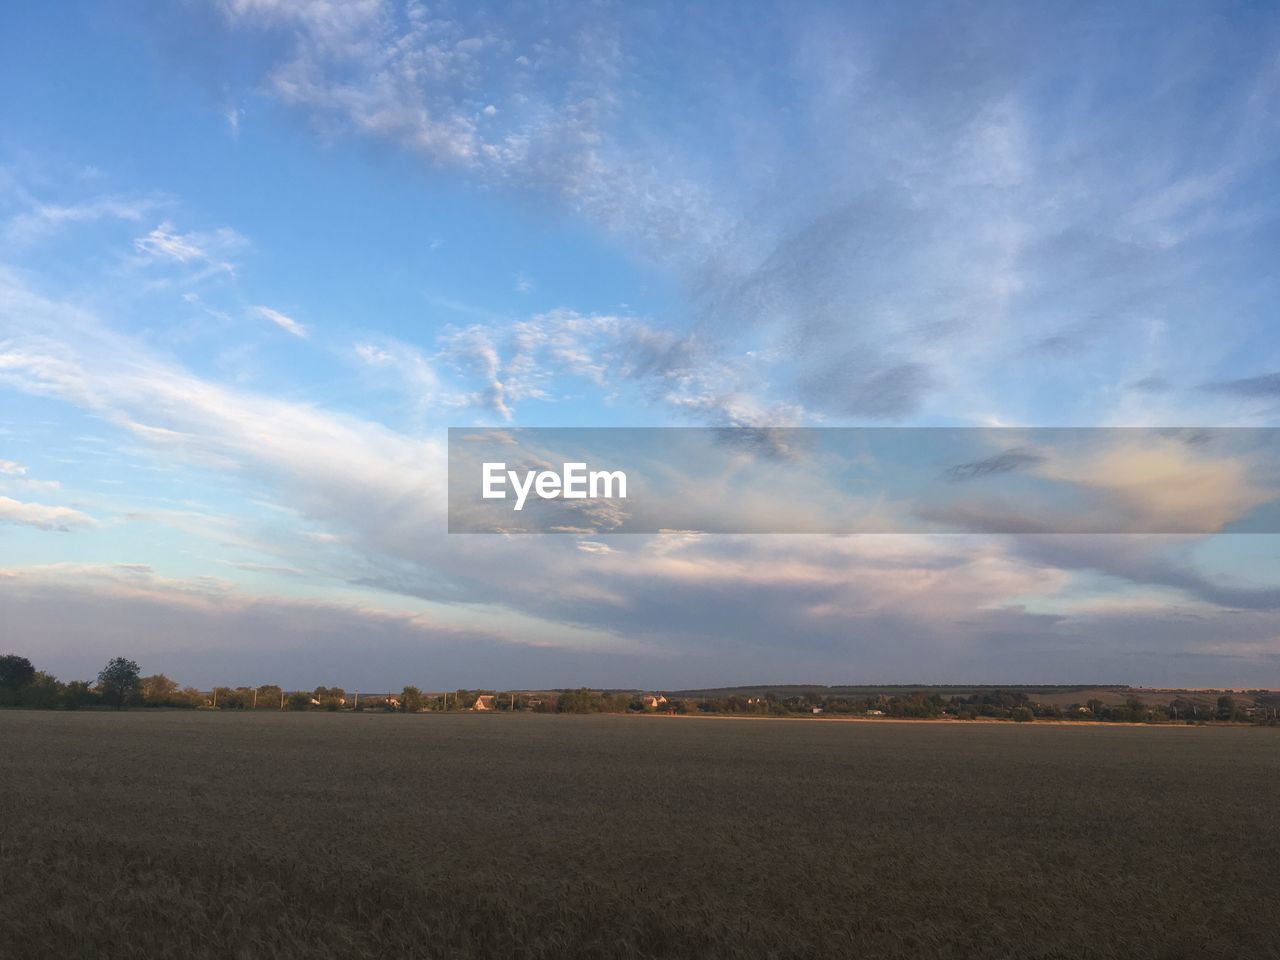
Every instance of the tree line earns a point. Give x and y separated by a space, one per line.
120 685
1003 705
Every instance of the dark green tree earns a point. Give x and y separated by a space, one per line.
15 672
119 683
77 694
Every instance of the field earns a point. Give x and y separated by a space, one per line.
173 834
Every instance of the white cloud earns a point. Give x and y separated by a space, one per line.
393 73
45 218
212 252
355 472
41 516
284 322
416 373
233 114
554 356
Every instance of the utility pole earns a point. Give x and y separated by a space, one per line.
282 698
255 698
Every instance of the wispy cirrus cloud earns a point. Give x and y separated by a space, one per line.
889 222
283 321
44 219
555 356
211 252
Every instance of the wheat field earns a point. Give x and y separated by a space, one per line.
240 835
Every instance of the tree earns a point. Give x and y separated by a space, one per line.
157 690
237 698
42 691
270 696
1023 715
15 671
119 682
411 700
331 698
77 694
191 697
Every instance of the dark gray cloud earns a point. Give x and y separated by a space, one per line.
1009 461
858 386
1152 384
1062 345
1264 387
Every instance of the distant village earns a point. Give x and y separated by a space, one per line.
121 685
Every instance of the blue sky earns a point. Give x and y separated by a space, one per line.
256 256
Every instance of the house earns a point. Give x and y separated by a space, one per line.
484 702
875 713
653 701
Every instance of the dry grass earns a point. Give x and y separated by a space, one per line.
319 835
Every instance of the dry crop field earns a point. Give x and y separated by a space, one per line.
149 834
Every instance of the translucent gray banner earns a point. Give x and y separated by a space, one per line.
864 480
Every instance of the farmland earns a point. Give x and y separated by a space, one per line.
229 834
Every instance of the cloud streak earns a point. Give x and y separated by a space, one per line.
41 516
283 321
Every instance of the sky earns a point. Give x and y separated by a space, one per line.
256 257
